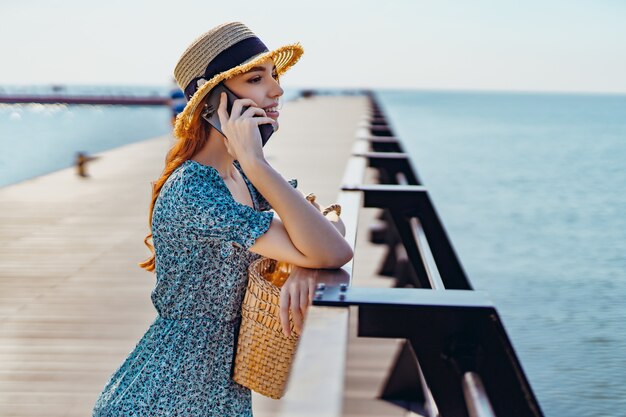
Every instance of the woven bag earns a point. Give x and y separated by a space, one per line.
264 354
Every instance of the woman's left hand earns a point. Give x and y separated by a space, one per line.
296 295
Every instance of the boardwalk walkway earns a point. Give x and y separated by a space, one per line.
73 302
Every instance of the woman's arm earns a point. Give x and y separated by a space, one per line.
311 233
331 216
302 236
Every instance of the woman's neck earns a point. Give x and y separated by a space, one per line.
215 154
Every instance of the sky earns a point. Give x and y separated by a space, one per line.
503 45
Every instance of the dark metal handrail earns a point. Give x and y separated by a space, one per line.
457 359
464 362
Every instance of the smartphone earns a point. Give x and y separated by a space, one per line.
213 102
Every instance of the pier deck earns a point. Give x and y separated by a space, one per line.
73 302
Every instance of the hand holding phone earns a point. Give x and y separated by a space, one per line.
210 112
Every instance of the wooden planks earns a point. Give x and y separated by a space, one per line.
73 302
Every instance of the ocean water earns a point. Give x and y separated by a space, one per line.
531 190
37 139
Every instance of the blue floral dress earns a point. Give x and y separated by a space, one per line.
182 365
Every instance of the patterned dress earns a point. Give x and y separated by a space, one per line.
182 365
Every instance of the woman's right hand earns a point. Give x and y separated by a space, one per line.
243 137
296 294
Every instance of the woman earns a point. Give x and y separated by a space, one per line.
209 219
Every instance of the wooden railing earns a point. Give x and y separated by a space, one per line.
315 386
457 360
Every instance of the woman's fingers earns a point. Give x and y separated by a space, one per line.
284 311
312 286
296 314
295 296
221 109
264 120
304 299
238 106
251 111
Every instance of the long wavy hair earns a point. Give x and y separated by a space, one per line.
188 143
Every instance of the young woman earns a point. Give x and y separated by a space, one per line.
210 218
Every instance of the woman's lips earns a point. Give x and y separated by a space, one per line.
272 114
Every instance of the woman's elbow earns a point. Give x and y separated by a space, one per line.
348 256
341 257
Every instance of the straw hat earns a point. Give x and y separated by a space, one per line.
219 54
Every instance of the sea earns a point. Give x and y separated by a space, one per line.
36 139
529 186
531 189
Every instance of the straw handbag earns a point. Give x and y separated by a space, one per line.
264 354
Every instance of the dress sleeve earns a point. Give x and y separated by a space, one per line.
211 212
263 204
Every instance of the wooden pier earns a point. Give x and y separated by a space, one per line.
73 302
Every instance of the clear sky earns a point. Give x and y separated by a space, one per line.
531 45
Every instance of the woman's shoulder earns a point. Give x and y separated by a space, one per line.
194 174
192 179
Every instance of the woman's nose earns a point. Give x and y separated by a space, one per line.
278 90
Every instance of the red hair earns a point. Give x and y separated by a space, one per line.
189 142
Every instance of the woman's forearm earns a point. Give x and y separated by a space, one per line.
311 233
332 217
